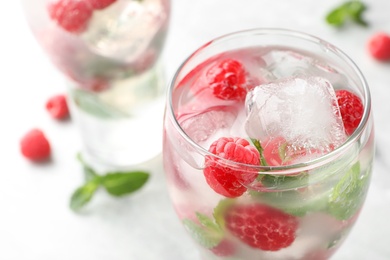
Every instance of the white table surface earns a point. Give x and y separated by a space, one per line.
35 221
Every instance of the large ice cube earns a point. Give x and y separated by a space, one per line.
126 30
282 63
303 111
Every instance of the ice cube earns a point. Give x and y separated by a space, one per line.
215 120
303 111
283 63
126 29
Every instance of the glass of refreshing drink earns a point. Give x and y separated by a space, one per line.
109 52
268 146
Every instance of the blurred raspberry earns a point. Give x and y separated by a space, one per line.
100 4
71 15
379 46
34 145
58 107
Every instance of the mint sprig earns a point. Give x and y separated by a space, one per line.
349 193
351 10
115 183
207 232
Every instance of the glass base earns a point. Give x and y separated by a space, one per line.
122 125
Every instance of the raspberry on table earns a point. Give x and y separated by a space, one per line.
58 107
227 79
379 46
261 226
35 146
351 109
100 4
71 15
225 179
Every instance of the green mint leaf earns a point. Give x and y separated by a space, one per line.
84 194
292 202
336 17
259 148
351 10
220 209
202 235
122 183
91 104
284 182
89 173
348 195
355 10
208 223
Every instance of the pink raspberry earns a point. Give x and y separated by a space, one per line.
261 226
34 145
274 153
351 109
100 4
227 79
225 248
225 179
71 15
58 107
379 46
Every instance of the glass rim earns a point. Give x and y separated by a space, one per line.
293 34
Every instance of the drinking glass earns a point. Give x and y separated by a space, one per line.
241 187
109 53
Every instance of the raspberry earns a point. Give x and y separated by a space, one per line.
58 107
100 4
34 145
72 15
225 248
351 109
379 46
261 226
274 151
222 178
227 80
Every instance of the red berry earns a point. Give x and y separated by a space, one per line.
261 226
379 46
223 178
227 80
100 4
351 109
72 15
274 151
58 107
35 146
225 248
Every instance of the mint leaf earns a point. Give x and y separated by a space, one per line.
207 233
121 183
351 10
89 173
348 195
84 194
115 183
220 209
91 104
283 182
259 148
208 223
202 235
292 202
